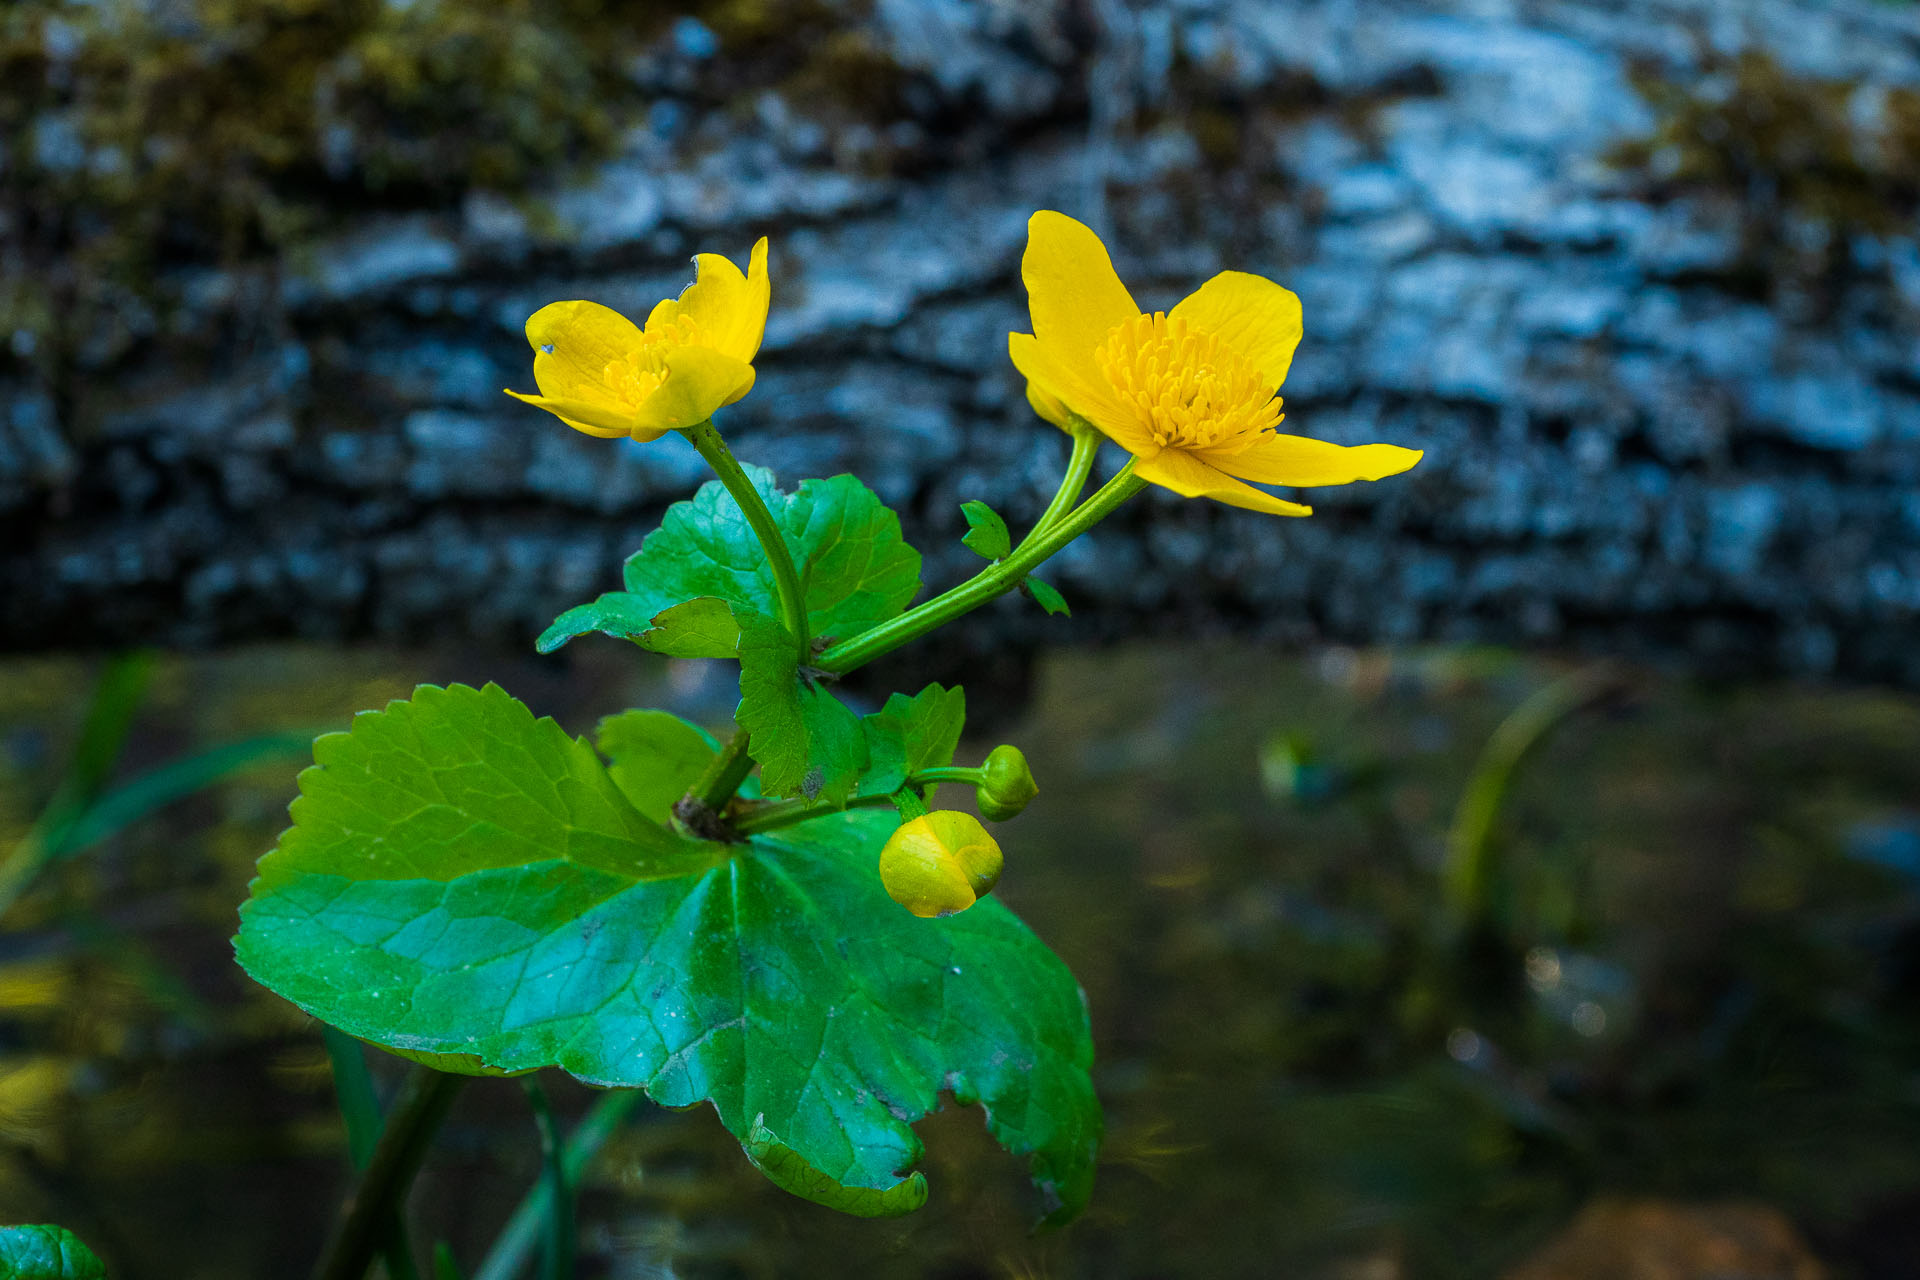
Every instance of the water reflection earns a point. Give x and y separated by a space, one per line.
1683 967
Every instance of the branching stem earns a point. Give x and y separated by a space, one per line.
995 579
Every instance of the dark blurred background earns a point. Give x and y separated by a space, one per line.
1515 865
1640 276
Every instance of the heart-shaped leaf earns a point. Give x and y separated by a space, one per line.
462 879
987 534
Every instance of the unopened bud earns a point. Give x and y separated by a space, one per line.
939 863
1007 786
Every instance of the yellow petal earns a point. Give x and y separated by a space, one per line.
1186 475
1047 405
1251 314
699 380
573 344
601 420
1296 460
729 307
1093 401
1074 294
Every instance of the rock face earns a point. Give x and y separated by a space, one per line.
1668 410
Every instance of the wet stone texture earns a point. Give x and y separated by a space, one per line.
1650 426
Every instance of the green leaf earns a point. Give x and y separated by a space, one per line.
1046 597
804 739
911 734
698 628
655 757
46 1253
457 774
987 533
789 1170
463 879
855 569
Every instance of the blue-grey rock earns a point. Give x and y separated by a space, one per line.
1628 448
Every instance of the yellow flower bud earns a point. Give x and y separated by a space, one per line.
1008 784
939 863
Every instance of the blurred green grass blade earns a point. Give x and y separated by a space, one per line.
444 1266
117 695
557 1256
509 1253
171 782
1468 870
353 1084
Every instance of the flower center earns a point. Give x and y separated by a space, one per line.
1190 389
640 372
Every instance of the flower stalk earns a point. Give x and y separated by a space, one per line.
996 579
1086 444
793 607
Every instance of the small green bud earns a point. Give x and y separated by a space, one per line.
940 863
1007 786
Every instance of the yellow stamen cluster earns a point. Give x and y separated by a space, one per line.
1190 389
641 372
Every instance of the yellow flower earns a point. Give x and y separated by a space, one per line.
1190 392
939 863
600 373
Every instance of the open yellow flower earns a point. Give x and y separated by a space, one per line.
600 373
1189 392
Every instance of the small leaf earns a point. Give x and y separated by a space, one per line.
447 888
1046 597
699 628
987 534
47 1253
805 740
911 734
616 613
656 756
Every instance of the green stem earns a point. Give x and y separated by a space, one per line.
785 813
996 578
509 1253
793 605
972 776
382 1190
724 776
1086 443
557 1258
360 1109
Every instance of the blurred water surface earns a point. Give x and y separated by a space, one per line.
1683 967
